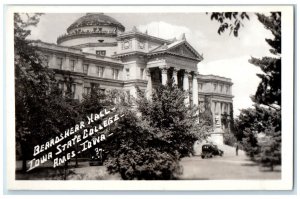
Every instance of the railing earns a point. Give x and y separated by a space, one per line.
84 33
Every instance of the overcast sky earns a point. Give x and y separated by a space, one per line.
224 55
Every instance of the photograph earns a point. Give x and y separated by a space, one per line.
175 97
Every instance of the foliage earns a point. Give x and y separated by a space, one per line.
269 89
229 20
261 123
229 138
260 132
150 145
206 119
135 153
175 123
95 101
38 101
271 150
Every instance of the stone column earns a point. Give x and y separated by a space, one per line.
52 63
186 86
175 78
149 84
79 65
164 75
66 66
195 88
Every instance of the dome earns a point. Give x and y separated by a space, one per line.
95 19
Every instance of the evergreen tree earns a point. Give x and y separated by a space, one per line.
269 89
260 127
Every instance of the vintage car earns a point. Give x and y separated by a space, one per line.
210 150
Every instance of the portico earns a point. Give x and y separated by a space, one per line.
161 75
176 63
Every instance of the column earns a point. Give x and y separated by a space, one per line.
186 86
66 66
195 88
174 76
52 63
79 65
149 84
164 75
219 113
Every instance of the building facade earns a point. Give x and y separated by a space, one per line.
96 49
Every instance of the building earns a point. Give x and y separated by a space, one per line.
96 49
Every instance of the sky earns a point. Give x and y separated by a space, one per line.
224 55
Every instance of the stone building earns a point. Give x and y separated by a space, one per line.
96 49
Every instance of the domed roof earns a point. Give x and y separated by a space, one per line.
95 19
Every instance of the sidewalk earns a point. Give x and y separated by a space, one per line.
227 167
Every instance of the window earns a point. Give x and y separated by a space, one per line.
142 73
115 73
85 68
73 89
72 64
128 96
59 62
127 73
200 86
87 90
100 52
100 71
215 87
221 88
47 58
61 87
227 89
226 108
216 112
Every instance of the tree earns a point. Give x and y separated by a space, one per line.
260 127
176 124
150 145
229 20
269 89
135 153
41 111
206 119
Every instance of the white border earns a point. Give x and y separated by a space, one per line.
286 181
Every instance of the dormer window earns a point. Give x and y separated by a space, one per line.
101 40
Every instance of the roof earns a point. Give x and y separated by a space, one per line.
167 47
95 19
136 33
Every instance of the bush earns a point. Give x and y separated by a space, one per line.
229 138
145 164
135 151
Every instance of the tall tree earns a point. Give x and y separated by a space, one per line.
150 146
269 89
260 127
41 111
